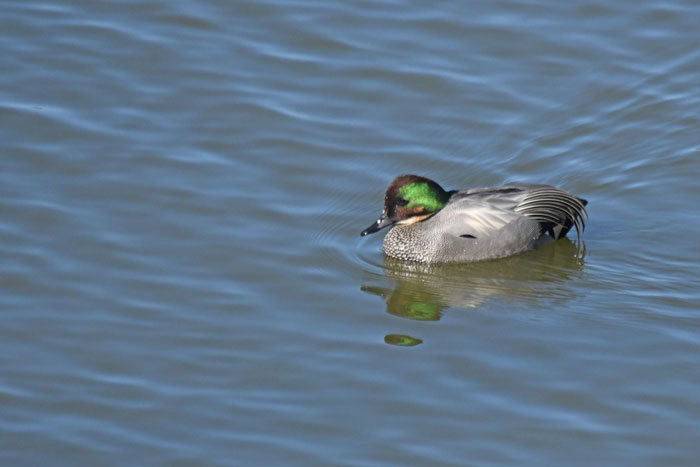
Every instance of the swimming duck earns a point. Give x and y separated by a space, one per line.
431 225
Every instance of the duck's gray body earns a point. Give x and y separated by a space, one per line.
486 223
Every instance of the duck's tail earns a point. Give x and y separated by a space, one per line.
556 210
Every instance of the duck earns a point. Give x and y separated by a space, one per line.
431 225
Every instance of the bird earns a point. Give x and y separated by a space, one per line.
432 225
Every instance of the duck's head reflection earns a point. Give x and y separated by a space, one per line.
424 291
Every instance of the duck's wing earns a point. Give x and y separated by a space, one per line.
483 211
480 213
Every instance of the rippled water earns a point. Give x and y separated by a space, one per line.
182 189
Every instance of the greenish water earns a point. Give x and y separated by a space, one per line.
182 188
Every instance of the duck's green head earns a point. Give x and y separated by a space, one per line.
409 199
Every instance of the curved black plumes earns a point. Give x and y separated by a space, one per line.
556 207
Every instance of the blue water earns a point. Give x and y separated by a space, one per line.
182 188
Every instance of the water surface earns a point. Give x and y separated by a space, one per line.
182 187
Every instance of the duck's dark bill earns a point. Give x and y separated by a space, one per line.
382 222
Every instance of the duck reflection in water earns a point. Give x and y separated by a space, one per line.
423 292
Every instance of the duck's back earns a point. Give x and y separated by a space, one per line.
488 223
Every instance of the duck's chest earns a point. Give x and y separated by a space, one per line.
409 243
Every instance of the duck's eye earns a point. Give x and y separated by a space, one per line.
401 202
